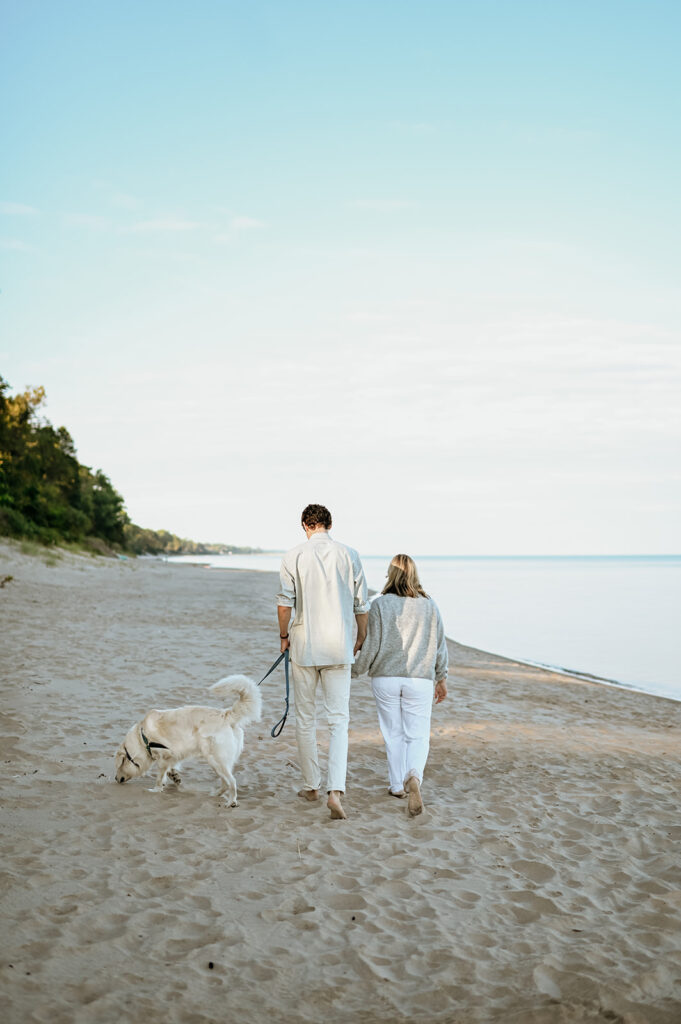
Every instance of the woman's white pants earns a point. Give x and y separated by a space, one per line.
404 707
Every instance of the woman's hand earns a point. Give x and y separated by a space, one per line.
440 691
362 620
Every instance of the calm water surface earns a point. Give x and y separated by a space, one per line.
614 617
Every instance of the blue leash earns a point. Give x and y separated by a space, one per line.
276 730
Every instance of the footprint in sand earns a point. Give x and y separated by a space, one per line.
466 898
398 890
445 873
346 882
200 902
201 938
291 907
64 910
530 907
346 901
535 870
262 973
104 929
323 849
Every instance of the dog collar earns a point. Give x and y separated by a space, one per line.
127 754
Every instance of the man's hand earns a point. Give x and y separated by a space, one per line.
440 691
285 644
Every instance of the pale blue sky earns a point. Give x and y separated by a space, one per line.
418 261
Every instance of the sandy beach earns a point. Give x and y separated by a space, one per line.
543 883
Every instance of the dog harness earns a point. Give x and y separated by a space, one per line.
149 745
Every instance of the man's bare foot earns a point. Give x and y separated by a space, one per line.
415 804
309 794
400 796
335 806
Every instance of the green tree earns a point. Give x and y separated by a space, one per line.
44 492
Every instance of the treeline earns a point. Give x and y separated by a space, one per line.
45 493
159 542
48 496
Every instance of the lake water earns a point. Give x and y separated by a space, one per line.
612 617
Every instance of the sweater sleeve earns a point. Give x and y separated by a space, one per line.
365 658
442 657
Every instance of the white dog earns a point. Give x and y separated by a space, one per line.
166 738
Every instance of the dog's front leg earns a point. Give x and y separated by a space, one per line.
160 777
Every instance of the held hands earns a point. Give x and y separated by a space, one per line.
362 620
358 643
440 691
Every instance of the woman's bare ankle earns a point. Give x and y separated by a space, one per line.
335 806
415 801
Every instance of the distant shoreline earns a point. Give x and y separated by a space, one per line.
548 666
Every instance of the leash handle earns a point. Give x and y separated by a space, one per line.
284 656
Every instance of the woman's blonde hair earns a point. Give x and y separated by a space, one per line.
403 578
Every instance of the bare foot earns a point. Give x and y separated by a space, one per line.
335 806
400 796
415 804
309 794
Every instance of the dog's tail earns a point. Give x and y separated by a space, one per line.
247 706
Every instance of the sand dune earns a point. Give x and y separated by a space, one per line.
543 883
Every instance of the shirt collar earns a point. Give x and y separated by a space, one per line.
320 535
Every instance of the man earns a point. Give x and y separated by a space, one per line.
323 583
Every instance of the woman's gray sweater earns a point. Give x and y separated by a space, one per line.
405 637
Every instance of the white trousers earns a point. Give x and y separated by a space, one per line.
404 707
335 683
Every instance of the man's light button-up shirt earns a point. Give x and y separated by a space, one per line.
323 581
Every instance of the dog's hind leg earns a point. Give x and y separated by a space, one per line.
220 753
226 778
231 785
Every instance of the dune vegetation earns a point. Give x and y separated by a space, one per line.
48 497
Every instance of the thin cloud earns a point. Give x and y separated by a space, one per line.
116 197
419 127
161 224
85 220
381 205
15 245
17 210
124 201
247 223
237 225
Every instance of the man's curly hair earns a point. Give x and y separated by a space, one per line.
316 515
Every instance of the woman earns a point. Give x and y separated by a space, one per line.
404 651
